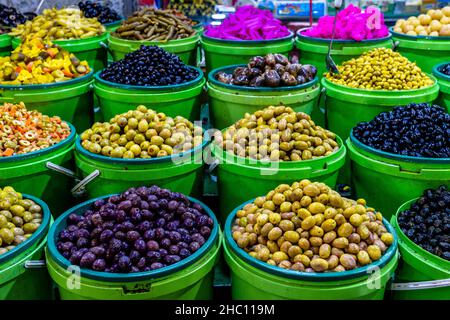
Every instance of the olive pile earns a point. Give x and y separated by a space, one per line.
427 222
19 219
380 69
149 66
141 133
10 17
62 24
142 229
273 70
154 25
309 227
277 134
445 69
194 8
416 130
434 23
103 14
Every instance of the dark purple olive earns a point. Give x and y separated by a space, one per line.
188 223
163 203
114 199
172 205
149 234
98 204
153 205
257 81
106 235
73 218
124 263
153 256
98 251
159 233
143 226
134 256
72 228
173 249
96 232
156 265
108 225
184 253
205 231
115 245
163 252
120 235
152 245
132 236
161 222
151 198
124 205
197 237
120 216
147 214
140 245
64 235
82 243
194 246
134 269
87 260
125 246
97 219
165 243
65 246
202 220
171 259
76 257
173 225
182 245
86 224
127 226
82 233
141 263
186 238
174 236
99 265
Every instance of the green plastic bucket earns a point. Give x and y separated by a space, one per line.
189 279
185 48
221 53
229 103
345 107
92 49
112 26
252 279
174 100
181 172
5 45
444 85
71 100
29 173
240 179
418 266
18 280
387 180
425 51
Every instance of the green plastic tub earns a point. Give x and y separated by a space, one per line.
18 281
174 100
418 266
185 48
444 85
425 51
388 180
189 279
181 172
5 45
221 53
252 279
345 107
112 26
71 100
92 49
229 103
240 179
29 174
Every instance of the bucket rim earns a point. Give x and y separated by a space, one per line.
138 161
394 156
370 41
327 83
170 87
282 164
39 234
413 246
111 24
301 275
213 80
135 276
408 37
60 145
438 73
151 42
48 85
250 42
69 41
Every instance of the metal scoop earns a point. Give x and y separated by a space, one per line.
330 64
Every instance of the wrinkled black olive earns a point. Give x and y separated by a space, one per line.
270 60
293 68
254 72
288 79
301 79
257 82
224 77
281 59
280 69
239 71
257 62
271 78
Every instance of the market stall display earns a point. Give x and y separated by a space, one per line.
246 33
279 246
156 27
24 222
153 77
422 227
442 74
424 39
139 251
104 14
403 151
269 147
199 8
11 17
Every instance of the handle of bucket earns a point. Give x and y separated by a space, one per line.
35 264
421 285
80 187
319 102
106 47
395 44
51 166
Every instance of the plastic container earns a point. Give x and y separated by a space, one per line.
418 266
425 51
387 180
189 279
174 100
5 45
71 100
220 52
185 48
181 172
345 107
444 85
29 173
112 26
314 50
92 49
252 279
240 179
229 103
18 281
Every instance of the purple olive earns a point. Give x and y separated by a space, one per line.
144 205
124 263
125 246
108 225
73 218
82 233
174 236
147 214
98 204
106 235
202 220
197 237
165 243
96 219
120 235
144 226
115 245
127 226
141 263
99 265
163 252
159 233
156 265
96 232
184 253
149 234
114 199
161 222
153 256
140 245
82 242
194 246
173 249
64 235
182 245
72 228
124 205
172 205
76 257
152 245
205 231
171 259
121 215
134 256
98 251
132 236
87 260
186 238
188 223
153 205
